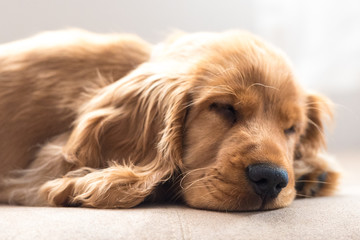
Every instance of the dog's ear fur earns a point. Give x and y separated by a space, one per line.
319 111
317 173
132 112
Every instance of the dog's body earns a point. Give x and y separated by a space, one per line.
102 120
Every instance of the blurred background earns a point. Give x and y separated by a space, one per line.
322 38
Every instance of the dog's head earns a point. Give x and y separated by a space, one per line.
246 121
224 108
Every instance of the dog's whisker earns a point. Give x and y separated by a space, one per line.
262 85
326 113
310 181
194 170
303 195
196 181
201 179
317 127
350 110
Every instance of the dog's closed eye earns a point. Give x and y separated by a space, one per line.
227 111
291 130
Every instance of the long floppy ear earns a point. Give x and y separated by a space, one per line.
317 174
139 118
319 111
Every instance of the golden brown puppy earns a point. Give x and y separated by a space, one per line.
107 120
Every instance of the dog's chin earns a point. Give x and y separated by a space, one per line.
279 202
250 202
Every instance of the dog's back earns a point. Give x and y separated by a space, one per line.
44 80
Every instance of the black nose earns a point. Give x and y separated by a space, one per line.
267 180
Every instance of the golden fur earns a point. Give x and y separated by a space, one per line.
106 121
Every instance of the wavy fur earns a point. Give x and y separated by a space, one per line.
105 120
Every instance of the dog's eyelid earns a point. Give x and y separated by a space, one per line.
290 130
226 106
226 110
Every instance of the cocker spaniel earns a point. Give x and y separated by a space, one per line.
109 121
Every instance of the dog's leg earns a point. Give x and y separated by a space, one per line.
113 187
22 186
316 176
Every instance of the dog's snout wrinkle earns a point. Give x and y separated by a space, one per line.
267 180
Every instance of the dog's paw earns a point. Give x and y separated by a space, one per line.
59 192
114 187
316 183
316 177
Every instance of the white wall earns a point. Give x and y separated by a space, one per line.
322 37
